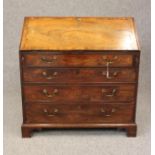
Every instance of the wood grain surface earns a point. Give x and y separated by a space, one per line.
70 94
78 33
77 60
85 113
78 75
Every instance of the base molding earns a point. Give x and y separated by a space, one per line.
28 129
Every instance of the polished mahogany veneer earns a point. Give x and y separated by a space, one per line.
74 60
79 72
78 75
91 93
77 113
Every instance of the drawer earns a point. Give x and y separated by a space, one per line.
77 60
64 93
79 113
83 75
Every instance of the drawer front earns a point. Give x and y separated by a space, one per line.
107 113
64 93
83 75
77 60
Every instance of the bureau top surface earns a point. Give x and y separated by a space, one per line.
78 33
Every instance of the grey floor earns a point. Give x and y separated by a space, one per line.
73 142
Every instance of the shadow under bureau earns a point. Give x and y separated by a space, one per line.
79 72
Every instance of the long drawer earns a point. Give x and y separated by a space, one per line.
77 60
81 113
65 93
78 75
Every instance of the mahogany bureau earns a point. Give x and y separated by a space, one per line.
79 72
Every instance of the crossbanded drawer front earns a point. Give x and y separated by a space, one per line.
81 113
83 75
63 93
77 60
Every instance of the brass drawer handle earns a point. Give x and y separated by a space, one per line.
108 62
44 59
49 77
55 111
105 58
107 72
108 114
113 93
45 92
114 74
